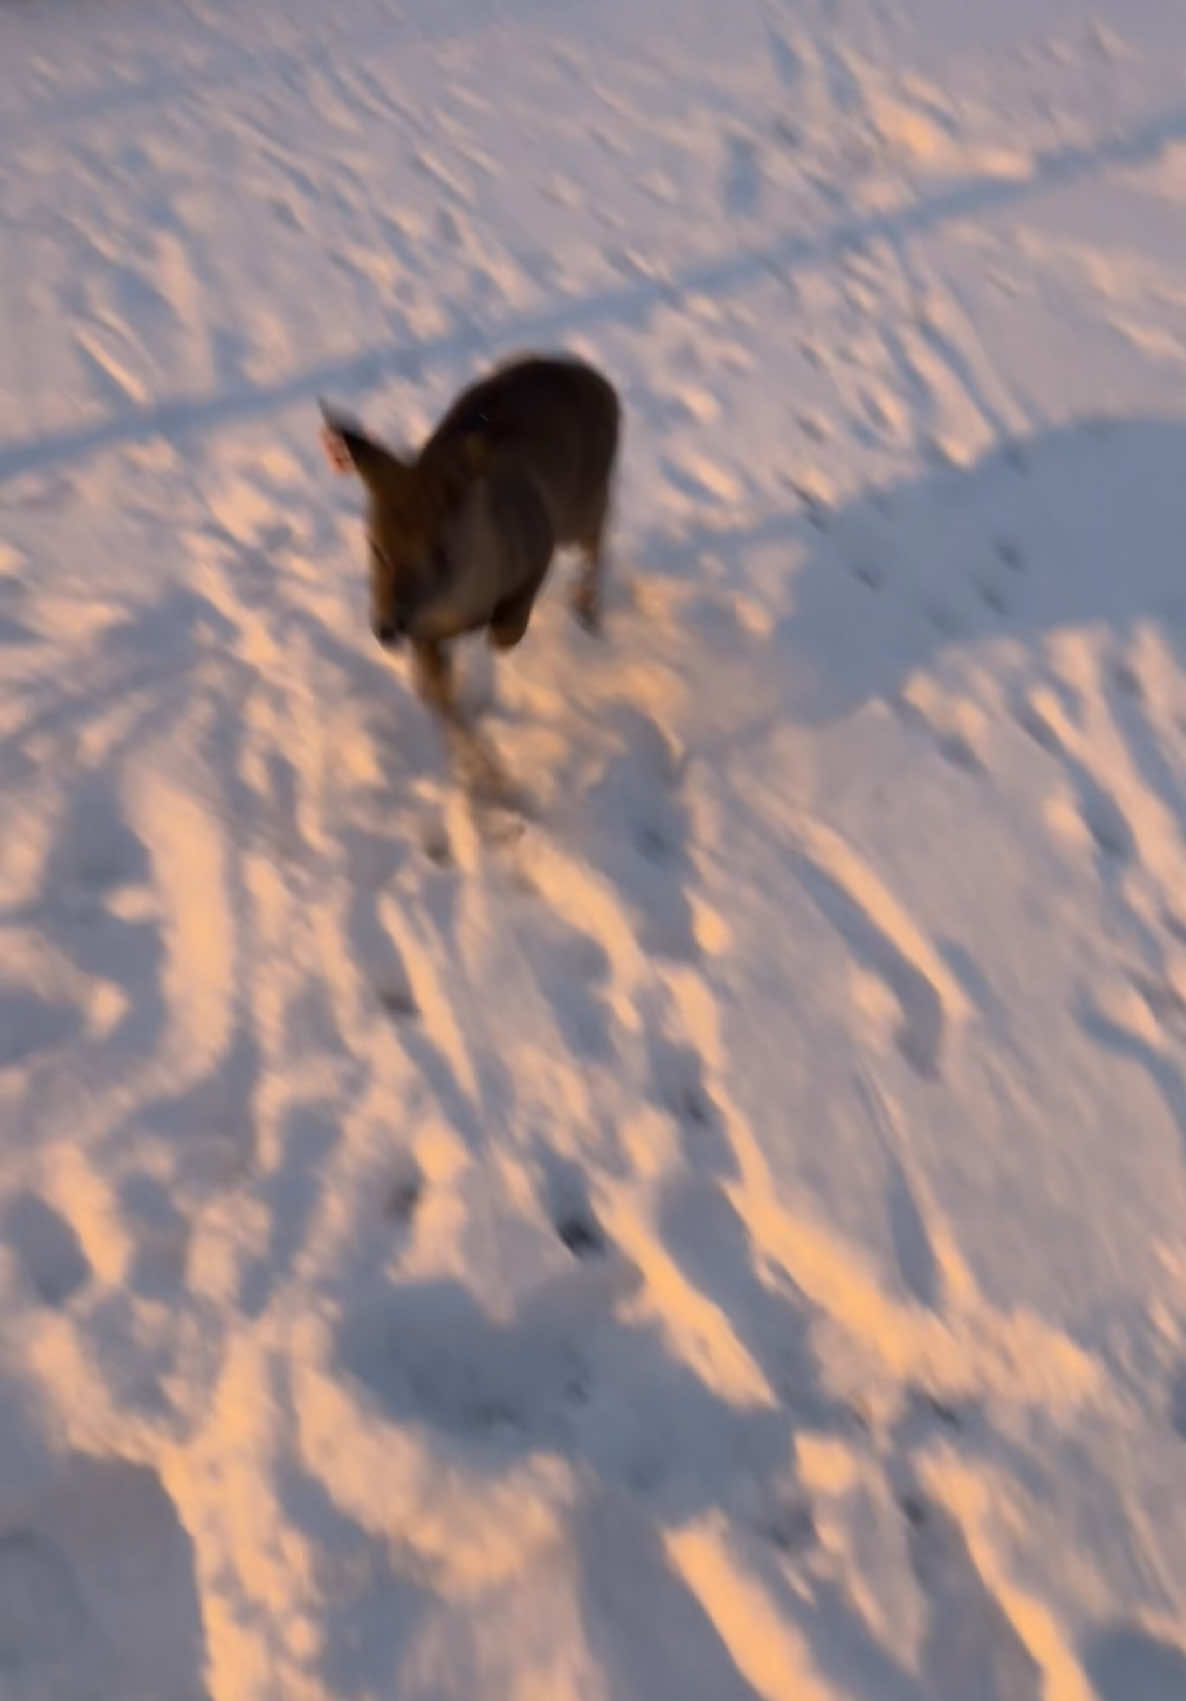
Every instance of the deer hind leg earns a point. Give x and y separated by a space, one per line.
588 592
432 672
473 760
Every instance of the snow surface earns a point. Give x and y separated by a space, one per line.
728 1242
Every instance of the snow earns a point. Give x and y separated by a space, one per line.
725 1242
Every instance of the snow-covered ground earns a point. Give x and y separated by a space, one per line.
728 1242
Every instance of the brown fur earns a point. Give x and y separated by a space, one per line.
461 535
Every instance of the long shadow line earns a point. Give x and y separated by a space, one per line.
229 66
718 275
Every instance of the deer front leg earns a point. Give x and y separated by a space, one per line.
432 672
472 759
588 593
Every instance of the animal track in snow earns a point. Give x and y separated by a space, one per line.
972 1648
1105 820
958 727
567 1202
581 1235
871 574
994 595
679 1084
915 1254
741 188
1011 554
405 1191
47 1246
1101 815
882 937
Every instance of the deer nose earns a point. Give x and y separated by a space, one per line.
388 632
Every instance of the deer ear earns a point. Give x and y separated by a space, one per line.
348 446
